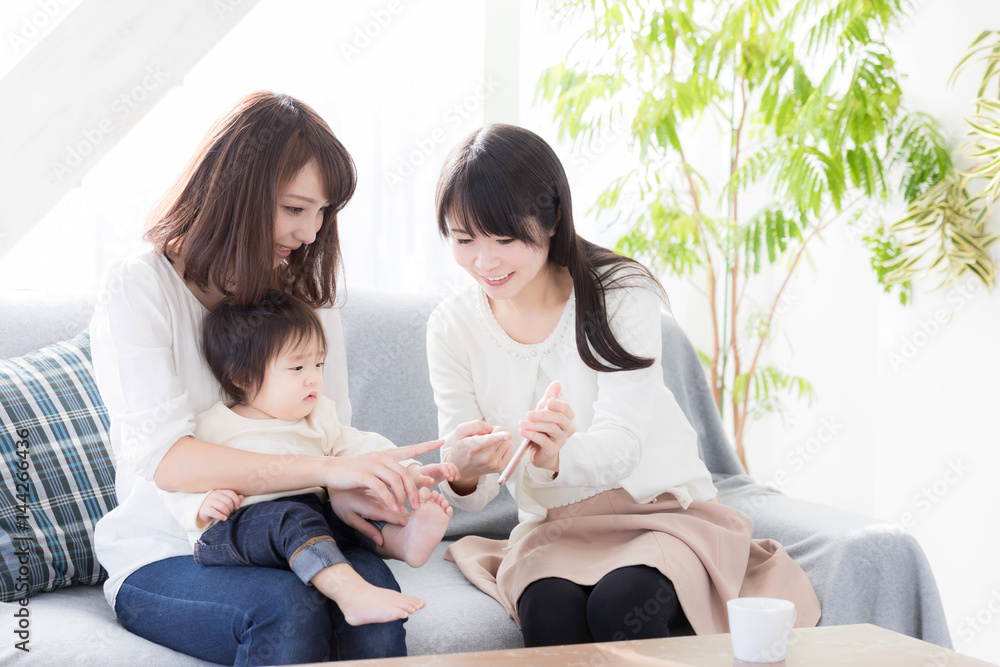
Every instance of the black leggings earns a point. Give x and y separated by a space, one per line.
635 602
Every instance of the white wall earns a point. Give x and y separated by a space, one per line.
399 85
913 442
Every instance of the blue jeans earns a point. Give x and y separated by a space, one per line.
301 532
252 615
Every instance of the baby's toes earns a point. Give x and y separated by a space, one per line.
412 604
440 499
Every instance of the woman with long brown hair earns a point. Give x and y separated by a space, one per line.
255 210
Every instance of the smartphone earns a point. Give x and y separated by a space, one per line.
552 391
518 454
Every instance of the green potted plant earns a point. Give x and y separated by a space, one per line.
820 135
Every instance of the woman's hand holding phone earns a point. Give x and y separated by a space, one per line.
545 430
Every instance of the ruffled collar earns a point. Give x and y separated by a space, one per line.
529 352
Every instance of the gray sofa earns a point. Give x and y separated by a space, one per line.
863 571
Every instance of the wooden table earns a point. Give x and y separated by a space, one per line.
865 645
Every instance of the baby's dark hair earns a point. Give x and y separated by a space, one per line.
240 341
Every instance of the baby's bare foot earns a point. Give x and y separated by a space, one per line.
415 542
360 602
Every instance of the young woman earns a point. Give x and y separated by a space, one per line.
622 534
255 210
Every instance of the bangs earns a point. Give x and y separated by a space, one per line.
301 334
492 216
336 168
293 159
292 325
480 198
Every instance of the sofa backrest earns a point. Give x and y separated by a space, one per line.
30 319
385 336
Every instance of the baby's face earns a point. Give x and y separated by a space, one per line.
293 382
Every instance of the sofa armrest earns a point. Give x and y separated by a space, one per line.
863 570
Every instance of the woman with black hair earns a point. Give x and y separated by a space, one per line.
621 533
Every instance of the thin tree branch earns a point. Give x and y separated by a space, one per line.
781 291
739 417
714 370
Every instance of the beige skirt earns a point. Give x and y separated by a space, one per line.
706 550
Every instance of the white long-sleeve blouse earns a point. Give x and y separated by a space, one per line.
153 378
631 433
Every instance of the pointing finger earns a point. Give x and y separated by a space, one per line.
413 451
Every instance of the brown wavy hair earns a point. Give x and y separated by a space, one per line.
219 216
506 181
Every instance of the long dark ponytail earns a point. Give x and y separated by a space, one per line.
506 181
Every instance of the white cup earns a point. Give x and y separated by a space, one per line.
760 628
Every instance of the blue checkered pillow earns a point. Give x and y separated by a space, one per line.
58 479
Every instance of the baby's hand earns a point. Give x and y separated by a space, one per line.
219 504
434 473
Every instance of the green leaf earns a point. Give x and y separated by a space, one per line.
810 96
769 231
941 232
769 386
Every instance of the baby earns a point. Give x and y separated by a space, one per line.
269 360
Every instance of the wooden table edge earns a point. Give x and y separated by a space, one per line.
833 641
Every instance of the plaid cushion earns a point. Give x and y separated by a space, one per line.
58 479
